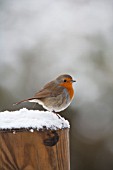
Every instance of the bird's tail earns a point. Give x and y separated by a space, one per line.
26 100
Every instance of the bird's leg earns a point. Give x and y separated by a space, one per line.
57 114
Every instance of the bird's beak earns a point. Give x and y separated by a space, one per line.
73 81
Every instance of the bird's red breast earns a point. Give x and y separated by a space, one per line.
69 87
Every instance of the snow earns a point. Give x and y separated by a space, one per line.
31 119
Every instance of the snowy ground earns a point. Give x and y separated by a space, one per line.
31 119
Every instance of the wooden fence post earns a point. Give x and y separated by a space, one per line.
29 149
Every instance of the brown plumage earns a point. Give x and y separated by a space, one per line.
55 95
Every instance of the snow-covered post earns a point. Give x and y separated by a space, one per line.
33 140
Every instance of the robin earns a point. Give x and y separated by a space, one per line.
56 95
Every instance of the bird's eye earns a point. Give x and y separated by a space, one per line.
65 80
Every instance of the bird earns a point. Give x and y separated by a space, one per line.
56 95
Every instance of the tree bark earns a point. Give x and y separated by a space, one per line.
37 150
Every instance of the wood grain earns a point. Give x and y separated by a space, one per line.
29 151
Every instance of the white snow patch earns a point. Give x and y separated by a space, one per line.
25 118
31 130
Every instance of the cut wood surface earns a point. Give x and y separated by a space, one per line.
37 150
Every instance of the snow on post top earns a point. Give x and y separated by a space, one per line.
31 119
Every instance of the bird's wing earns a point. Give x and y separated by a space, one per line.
42 94
50 90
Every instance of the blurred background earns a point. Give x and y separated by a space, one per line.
39 40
